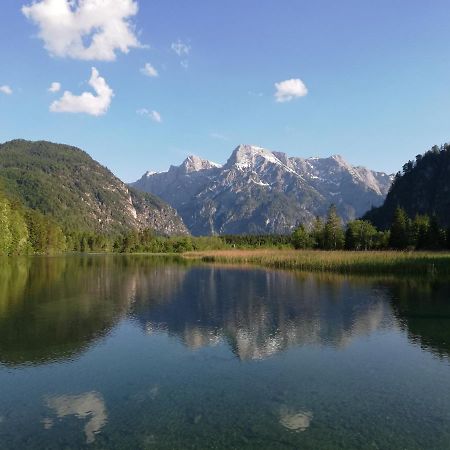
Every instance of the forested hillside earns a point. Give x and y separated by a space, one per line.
421 189
67 185
24 231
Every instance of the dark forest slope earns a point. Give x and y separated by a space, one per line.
422 188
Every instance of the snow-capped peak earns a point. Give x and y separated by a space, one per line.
248 156
251 157
194 163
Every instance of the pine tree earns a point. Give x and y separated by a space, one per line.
399 230
334 238
419 232
317 233
435 236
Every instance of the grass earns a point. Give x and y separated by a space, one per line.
345 262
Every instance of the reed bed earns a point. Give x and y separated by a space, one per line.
345 262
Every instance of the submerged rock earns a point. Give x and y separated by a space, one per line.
295 421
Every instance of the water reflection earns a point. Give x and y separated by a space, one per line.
423 310
260 313
89 406
56 308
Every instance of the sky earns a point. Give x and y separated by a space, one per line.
141 84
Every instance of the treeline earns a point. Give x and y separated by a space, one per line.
23 231
147 241
420 233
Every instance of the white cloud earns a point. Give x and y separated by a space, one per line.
255 94
180 48
54 87
184 64
85 29
289 89
87 103
149 70
5 89
153 115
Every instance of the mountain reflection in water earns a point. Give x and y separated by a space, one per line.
56 308
260 313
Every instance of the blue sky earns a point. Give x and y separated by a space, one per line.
376 73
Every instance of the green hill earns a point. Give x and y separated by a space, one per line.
67 185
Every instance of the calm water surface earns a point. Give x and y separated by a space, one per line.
116 352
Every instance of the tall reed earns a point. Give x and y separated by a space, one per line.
386 262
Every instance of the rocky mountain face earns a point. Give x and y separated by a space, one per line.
66 184
261 191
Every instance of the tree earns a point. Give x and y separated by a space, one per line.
301 239
399 230
36 230
19 233
55 239
419 232
334 238
381 240
435 236
317 233
6 237
360 235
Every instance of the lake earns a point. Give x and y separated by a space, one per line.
141 352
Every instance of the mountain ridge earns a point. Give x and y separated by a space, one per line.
262 191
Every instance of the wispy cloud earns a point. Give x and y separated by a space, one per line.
5 89
149 71
255 94
287 90
153 115
54 87
181 48
88 103
85 29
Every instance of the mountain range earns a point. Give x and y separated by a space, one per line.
258 191
66 184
